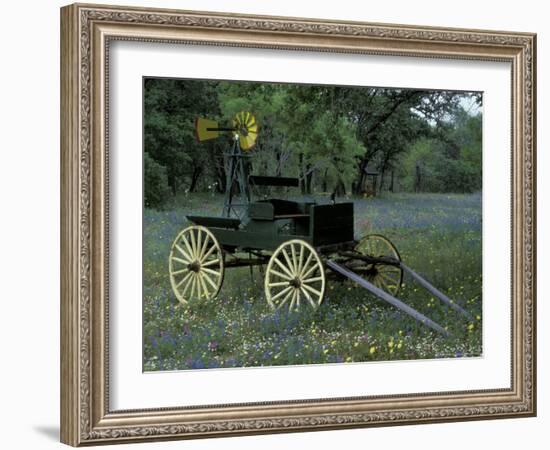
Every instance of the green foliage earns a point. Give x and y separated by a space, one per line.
156 180
450 165
327 136
170 109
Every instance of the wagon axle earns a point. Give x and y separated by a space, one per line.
194 266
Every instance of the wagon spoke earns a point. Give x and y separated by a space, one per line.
210 271
393 276
312 280
210 263
284 268
192 285
294 259
177 272
309 272
193 244
279 283
203 284
175 258
285 299
183 253
310 289
210 282
187 284
199 243
209 252
306 265
203 248
383 282
284 291
289 262
300 262
199 290
293 299
387 277
184 279
306 294
187 245
280 275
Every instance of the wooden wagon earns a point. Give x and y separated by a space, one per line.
301 244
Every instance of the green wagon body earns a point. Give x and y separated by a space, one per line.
269 223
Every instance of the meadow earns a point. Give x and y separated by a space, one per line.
438 235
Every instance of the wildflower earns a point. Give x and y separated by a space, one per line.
471 327
372 350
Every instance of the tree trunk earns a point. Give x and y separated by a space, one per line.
340 188
391 181
302 176
418 178
195 178
325 181
278 159
172 182
359 185
309 179
382 174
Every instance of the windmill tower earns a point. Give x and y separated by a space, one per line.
244 133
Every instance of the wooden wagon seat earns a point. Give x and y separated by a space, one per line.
274 209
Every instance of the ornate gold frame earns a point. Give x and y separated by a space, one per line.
86 31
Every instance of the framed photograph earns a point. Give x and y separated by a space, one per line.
275 224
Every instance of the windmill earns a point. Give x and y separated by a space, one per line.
244 134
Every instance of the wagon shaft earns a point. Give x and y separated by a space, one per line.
437 293
387 297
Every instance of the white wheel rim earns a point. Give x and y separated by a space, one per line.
294 276
195 265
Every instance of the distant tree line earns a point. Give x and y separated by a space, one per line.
342 139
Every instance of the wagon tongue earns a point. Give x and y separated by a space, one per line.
381 294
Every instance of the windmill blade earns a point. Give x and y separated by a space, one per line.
206 129
244 127
247 129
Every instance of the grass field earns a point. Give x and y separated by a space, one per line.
437 235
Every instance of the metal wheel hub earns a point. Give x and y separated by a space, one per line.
195 266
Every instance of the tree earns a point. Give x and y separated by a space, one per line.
156 182
171 107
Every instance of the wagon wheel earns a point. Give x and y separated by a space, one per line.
294 275
196 265
383 276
